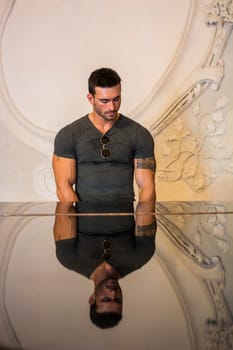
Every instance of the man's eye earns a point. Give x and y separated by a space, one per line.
104 101
106 299
118 301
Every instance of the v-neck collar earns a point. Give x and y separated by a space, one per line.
93 125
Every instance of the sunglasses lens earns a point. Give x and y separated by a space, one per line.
106 256
105 140
105 153
106 244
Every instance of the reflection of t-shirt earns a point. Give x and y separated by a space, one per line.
84 252
112 177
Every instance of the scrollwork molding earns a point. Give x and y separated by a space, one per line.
211 72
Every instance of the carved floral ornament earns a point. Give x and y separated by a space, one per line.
220 11
199 153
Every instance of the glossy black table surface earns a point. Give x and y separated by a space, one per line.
176 276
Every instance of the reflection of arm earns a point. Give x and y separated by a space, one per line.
65 226
145 219
145 178
65 177
65 234
145 230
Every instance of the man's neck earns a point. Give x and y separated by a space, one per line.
102 272
100 123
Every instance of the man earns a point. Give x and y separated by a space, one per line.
104 249
101 152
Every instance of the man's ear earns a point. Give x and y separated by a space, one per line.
90 98
92 299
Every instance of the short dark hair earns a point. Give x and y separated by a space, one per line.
104 319
103 77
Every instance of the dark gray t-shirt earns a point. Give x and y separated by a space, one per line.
83 253
112 177
128 252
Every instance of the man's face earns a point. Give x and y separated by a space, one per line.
108 296
106 102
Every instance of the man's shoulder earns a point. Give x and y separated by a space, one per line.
73 127
77 122
127 121
131 121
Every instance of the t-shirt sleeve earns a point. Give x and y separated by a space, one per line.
144 144
145 248
64 143
66 252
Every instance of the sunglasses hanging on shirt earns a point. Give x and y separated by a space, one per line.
104 151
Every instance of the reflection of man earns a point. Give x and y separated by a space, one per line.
104 249
106 300
102 151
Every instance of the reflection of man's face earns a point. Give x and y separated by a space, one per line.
108 296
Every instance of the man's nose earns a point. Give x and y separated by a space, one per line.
112 105
113 290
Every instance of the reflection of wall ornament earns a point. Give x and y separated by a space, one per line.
216 226
188 248
214 223
9 234
219 331
210 74
197 155
216 331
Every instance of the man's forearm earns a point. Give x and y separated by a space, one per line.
145 178
66 194
147 194
65 177
65 224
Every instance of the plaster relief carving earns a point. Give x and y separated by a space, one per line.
210 73
218 337
44 182
197 155
220 11
29 133
55 56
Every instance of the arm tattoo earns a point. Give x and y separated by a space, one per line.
146 230
146 163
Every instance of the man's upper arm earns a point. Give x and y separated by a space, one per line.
64 163
64 170
65 176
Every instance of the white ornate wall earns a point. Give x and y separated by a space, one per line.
176 66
